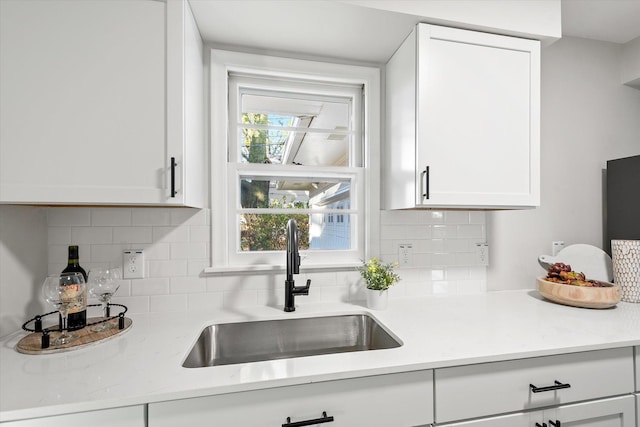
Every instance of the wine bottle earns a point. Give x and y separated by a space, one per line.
77 316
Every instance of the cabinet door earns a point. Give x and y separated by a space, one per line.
132 416
478 119
471 391
615 412
83 101
387 400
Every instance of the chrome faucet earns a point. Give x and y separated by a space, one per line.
293 267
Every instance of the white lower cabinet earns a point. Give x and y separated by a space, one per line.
487 389
130 416
613 412
397 400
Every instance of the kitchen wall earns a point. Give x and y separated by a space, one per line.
588 117
23 257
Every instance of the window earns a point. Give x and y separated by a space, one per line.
290 144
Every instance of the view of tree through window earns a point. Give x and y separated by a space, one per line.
267 232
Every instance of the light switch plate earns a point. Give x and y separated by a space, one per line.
133 264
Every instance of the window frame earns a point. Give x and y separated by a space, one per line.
223 63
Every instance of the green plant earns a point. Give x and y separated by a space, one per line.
378 276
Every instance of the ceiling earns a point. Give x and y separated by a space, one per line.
616 21
336 29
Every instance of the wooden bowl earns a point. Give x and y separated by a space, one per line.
580 296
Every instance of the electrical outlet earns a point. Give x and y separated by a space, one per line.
556 247
405 254
482 254
133 264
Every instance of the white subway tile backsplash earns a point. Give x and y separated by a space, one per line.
477 217
419 232
443 259
187 285
151 286
138 234
471 231
170 234
134 304
59 236
418 289
182 216
154 251
394 232
464 258
456 245
106 216
146 216
110 254
188 250
170 268
456 217
435 217
240 298
91 235
68 217
320 279
177 249
457 273
444 231
335 293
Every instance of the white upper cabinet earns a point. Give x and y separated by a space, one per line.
97 97
462 121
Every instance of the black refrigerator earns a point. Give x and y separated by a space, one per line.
622 200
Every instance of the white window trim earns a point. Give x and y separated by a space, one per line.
224 62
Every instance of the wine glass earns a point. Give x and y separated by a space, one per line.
103 283
64 292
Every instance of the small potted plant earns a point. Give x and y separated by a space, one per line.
378 278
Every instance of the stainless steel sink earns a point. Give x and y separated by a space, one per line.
230 343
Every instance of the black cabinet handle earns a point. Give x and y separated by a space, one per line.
322 420
425 189
556 386
543 425
173 177
556 424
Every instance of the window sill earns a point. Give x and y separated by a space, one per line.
268 268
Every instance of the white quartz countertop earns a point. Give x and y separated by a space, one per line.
144 364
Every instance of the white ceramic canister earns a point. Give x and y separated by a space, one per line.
625 255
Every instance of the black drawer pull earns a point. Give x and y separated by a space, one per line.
322 420
557 386
541 425
556 424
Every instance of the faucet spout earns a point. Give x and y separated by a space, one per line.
293 267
